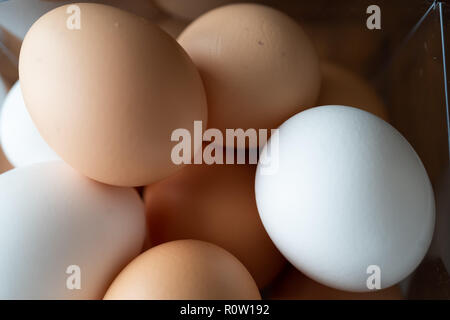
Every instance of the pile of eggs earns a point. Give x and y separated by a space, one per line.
96 207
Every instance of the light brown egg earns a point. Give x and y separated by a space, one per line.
216 204
107 97
293 285
9 55
189 10
184 270
172 26
258 66
342 87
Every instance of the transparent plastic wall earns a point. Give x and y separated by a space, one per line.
405 60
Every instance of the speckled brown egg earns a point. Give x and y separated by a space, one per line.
107 96
258 66
184 270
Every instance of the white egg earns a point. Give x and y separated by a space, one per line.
54 221
349 202
20 139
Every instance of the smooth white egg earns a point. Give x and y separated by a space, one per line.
59 229
21 141
349 202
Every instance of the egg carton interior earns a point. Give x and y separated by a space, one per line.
403 58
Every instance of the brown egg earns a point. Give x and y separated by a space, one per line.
342 87
184 270
107 97
9 55
293 285
216 204
189 10
4 163
258 66
172 26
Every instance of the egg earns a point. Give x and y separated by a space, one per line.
17 16
20 140
3 91
258 66
346 200
189 10
64 236
293 285
108 96
214 203
342 87
184 270
4 163
143 8
9 55
172 26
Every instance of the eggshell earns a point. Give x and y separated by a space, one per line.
184 270
107 97
189 10
3 91
258 66
9 57
214 203
20 140
51 218
345 192
342 87
293 285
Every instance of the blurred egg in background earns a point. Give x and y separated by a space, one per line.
172 26
189 10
